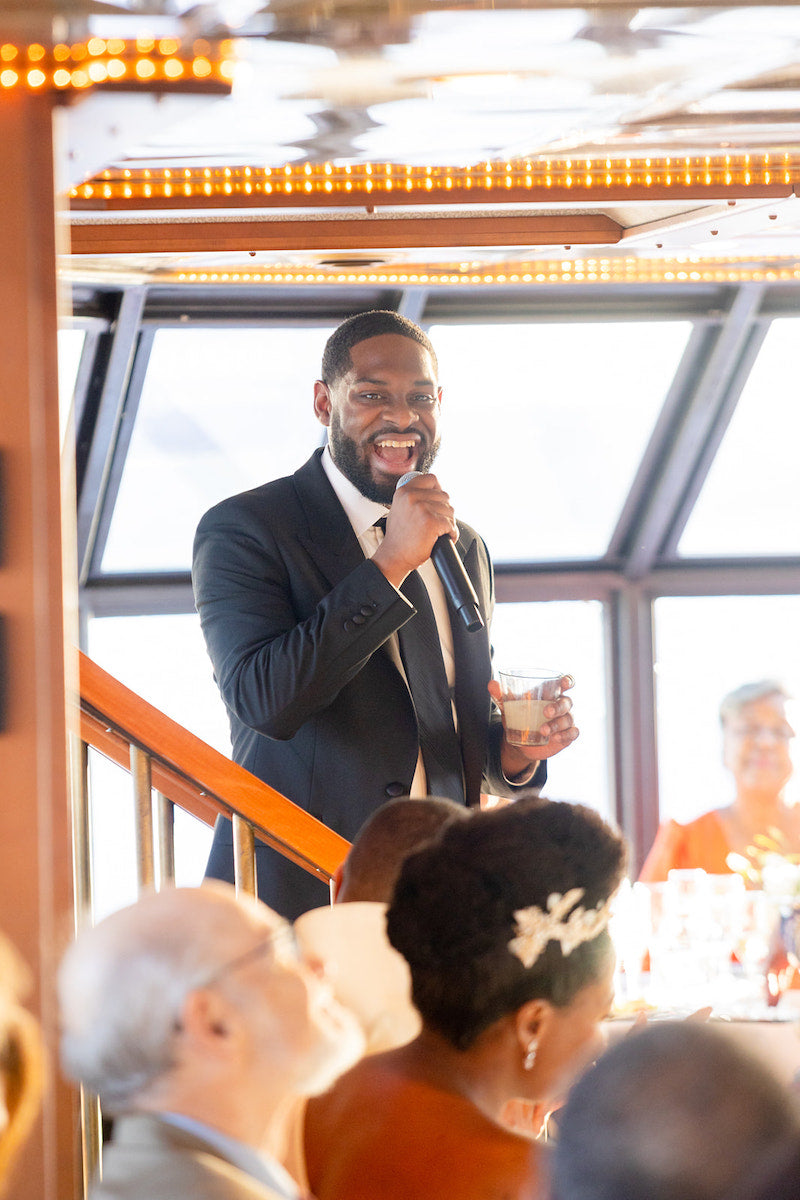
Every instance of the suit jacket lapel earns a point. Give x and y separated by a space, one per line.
328 536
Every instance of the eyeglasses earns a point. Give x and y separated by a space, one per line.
282 942
781 733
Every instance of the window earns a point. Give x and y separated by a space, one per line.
750 504
544 425
164 660
70 349
222 410
567 636
705 647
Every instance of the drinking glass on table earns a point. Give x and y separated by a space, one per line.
696 925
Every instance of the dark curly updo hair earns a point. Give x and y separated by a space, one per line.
452 915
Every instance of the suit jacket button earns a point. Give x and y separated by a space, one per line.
347 626
366 610
396 789
359 619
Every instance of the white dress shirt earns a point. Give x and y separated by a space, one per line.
362 515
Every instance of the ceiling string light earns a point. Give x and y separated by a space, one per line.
118 64
619 269
541 178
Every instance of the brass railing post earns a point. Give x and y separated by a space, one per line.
244 856
165 838
91 1129
143 800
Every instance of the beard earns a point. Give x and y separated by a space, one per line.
354 464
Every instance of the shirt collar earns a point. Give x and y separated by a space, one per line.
261 1166
361 512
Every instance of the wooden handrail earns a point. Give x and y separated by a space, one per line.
197 777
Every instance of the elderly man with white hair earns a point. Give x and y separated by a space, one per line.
192 1017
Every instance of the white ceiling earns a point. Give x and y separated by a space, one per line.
457 84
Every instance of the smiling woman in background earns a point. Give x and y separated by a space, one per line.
756 738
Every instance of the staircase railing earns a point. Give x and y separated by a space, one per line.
184 770
170 766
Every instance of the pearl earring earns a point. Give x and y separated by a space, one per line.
530 1057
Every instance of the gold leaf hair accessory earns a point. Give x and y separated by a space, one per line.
535 927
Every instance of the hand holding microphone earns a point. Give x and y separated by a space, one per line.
416 546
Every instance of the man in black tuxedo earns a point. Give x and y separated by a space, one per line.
299 600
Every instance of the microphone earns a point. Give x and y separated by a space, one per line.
450 569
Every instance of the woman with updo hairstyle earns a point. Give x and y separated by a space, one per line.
503 921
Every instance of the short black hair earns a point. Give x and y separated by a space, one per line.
452 914
394 831
336 360
678 1111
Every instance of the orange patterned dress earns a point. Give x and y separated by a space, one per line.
700 843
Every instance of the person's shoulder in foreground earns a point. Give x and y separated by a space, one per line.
191 1016
678 1111
150 1157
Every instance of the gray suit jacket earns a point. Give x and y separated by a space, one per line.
296 621
149 1159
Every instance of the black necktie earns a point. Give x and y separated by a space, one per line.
421 653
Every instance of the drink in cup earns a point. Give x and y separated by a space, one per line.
525 695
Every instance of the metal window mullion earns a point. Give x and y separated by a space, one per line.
93 474
141 777
633 709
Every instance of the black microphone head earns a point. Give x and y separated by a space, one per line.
404 479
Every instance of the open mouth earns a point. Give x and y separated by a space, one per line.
397 454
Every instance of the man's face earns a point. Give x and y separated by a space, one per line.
298 1029
756 745
383 414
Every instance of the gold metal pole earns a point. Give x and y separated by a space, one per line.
81 831
165 836
91 1139
244 856
91 1126
143 799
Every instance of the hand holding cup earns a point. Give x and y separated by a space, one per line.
524 695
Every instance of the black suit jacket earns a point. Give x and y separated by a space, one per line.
296 620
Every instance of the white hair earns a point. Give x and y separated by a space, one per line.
123 983
733 703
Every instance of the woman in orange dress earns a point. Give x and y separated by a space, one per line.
502 922
756 737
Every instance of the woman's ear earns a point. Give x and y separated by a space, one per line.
531 1023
